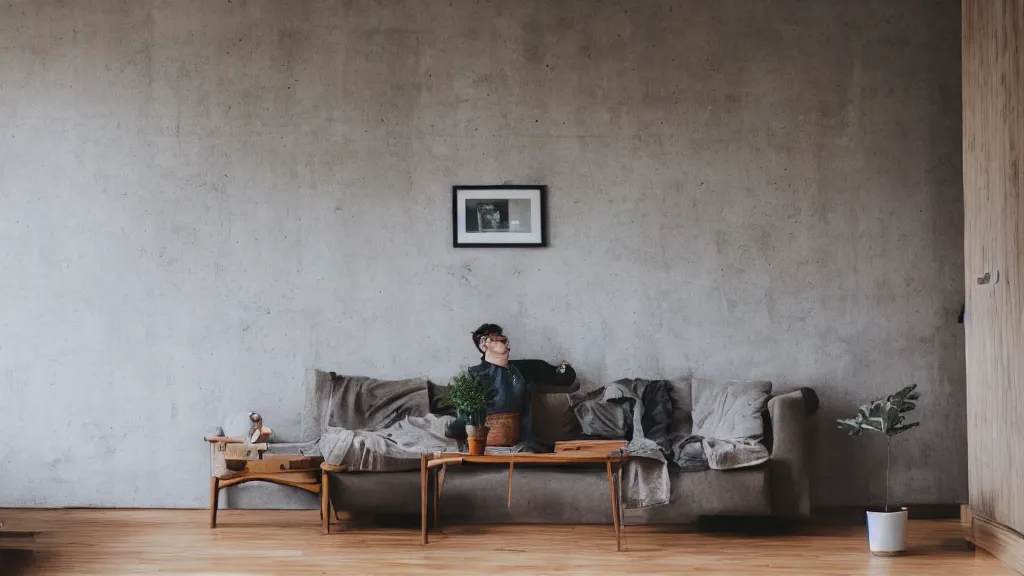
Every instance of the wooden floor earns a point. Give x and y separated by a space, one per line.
178 542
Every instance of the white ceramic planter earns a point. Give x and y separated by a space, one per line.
887 532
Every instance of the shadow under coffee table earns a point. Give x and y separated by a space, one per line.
439 462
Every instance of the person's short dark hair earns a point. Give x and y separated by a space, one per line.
484 331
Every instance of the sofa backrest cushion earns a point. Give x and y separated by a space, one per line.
553 419
729 410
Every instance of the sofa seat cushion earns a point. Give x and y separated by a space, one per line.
552 495
477 494
742 492
376 492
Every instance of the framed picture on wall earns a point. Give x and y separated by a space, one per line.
499 216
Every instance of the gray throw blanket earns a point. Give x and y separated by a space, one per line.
638 407
375 425
612 412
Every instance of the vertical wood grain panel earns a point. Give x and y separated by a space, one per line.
993 109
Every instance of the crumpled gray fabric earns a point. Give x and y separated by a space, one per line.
603 417
645 479
645 475
688 453
729 454
694 453
363 403
393 418
390 448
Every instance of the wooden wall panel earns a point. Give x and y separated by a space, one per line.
993 109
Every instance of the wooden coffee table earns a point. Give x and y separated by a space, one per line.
439 464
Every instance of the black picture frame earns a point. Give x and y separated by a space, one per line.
459 201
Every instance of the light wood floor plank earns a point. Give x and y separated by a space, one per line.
173 542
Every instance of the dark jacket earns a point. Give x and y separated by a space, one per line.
511 394
514 394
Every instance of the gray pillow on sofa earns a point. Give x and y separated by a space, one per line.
553 419
729 410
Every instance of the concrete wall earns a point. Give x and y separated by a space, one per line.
202 201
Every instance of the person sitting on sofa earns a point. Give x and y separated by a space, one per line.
512 398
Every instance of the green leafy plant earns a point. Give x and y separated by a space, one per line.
886 416
470 397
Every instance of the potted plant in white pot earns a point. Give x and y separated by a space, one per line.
470 396
887 531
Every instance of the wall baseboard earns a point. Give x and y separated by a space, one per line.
855 514
1001 541
965 514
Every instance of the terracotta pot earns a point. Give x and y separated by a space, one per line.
477 437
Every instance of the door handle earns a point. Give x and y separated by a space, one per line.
988 279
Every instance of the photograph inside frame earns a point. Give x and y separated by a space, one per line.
493 215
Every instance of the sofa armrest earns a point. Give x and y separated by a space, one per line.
788 465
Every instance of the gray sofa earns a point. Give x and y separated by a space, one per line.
579 495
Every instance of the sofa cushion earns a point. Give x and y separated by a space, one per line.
729 410
552 495
554 419
743 492
382 493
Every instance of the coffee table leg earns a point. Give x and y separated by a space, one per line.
325 503
615 505
440 479
510 465
618 495
423 497
214 493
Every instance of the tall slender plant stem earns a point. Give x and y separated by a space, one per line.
888 444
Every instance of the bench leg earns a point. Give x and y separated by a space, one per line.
214 493
424 480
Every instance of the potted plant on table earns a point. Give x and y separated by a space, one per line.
470 396
887 531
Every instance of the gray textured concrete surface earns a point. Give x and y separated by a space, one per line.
203 201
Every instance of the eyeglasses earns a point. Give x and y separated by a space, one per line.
496 338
